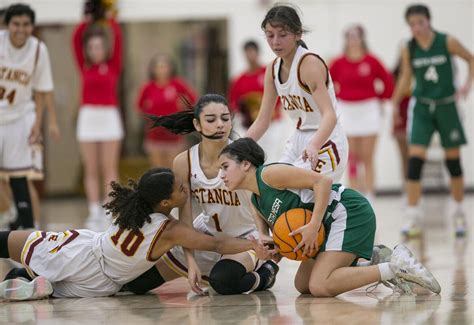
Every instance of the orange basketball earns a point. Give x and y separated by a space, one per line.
288 222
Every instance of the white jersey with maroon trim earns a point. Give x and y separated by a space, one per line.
22 70
84 263
224 211
127 254
296 97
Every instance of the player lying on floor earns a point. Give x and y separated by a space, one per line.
347 216
83 263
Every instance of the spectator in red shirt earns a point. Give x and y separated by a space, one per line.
245 97
99 127
355 74
163 94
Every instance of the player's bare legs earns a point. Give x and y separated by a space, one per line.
367 149
354 152
16 241
456 208
90 159
109 162
35 202
403 149
411 227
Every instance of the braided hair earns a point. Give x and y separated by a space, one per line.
132 205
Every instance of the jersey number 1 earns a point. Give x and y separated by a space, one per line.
215 216
131 243
10 96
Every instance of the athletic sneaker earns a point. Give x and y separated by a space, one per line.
412 227
380 254
383 254
268 272
405 266
460 223
22 289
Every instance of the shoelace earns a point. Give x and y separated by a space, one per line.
400 286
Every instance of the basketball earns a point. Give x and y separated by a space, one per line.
288 222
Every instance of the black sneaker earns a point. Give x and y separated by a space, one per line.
267 272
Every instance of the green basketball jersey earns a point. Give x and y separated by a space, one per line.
272 202
432 69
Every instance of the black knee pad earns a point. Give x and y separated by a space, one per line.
4 253
21 196
229 277
454 167
415 166
149 280
18 273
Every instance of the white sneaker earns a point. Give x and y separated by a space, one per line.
22 289
383 254
460 223
380 254
405 266
412 227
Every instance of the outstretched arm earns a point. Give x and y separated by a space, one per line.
77 44
177 233
181 169
264 117
116 58
313 73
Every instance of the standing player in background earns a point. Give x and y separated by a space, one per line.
99 125
26 68
399 125
163 95
245 98
354 75
302 81
428 58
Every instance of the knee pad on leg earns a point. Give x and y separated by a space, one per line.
149 280
454 167
229 277
21 196
18 273
4 253
415 166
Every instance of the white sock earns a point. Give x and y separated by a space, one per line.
385 272
456 207
94 209
363 263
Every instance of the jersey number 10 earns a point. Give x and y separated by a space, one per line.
131 242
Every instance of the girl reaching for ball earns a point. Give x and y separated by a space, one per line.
347 216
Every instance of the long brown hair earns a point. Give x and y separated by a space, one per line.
362 35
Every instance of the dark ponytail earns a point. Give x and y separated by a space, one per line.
182 122
245 149
302 43
132 205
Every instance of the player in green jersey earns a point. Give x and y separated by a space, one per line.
347 216
428 59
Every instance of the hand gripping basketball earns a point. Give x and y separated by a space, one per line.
288 222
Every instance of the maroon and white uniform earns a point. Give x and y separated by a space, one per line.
84 263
